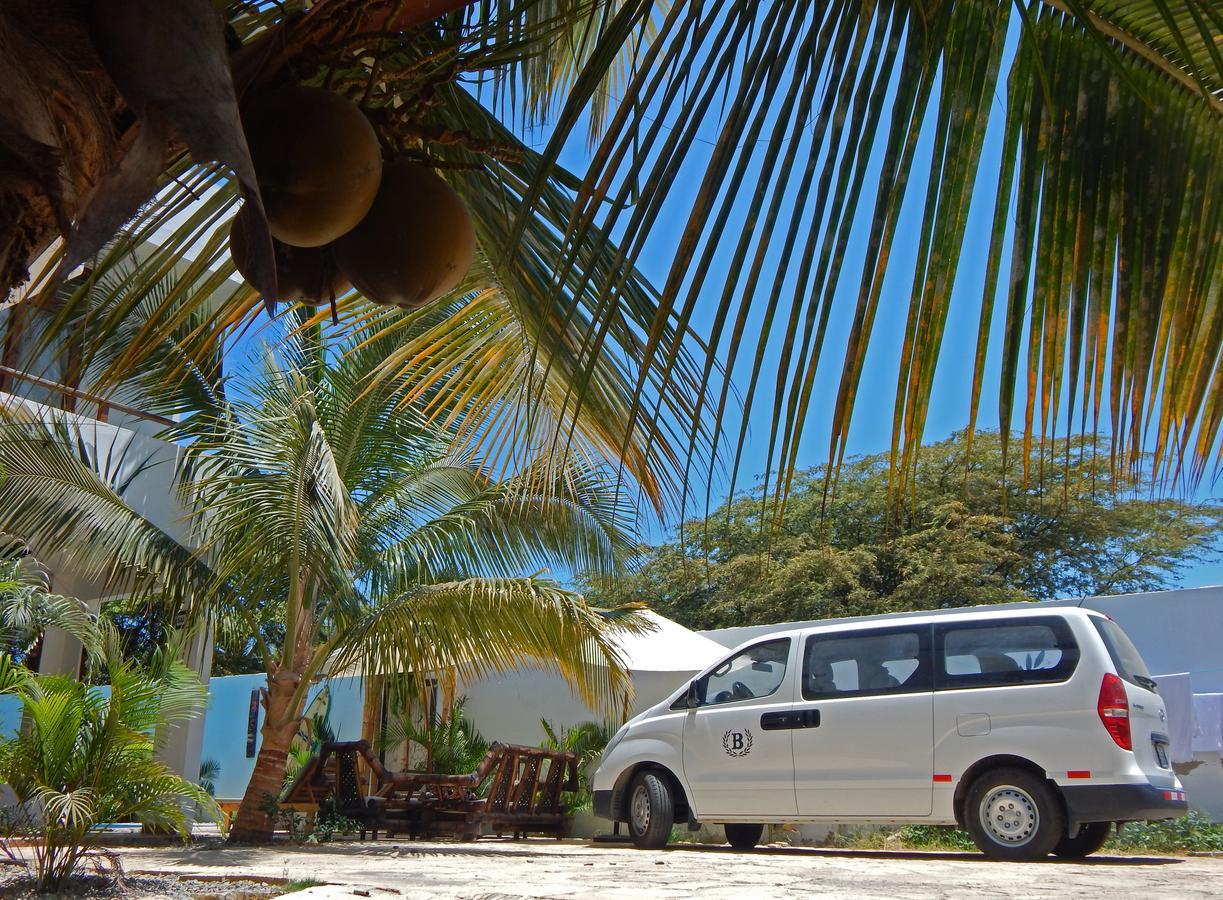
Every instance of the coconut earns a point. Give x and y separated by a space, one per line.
415 245
317 160
303 274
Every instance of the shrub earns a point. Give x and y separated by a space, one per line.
587 740
86 756
1188 834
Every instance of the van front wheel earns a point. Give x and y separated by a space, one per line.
1013 814
651 811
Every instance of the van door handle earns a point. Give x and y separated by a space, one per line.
777 721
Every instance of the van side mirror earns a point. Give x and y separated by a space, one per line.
693 700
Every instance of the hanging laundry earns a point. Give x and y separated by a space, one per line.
1177 691
1208 710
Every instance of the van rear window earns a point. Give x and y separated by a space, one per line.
1125 656
995 654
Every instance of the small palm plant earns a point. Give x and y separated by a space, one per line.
587 740
452 744
88 757
210 771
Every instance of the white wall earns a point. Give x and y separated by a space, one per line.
505 708
1176 631
225 724
508 707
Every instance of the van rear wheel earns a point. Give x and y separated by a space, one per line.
651 811
1091 837
1013 814
742 836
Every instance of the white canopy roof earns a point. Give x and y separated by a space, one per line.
670 647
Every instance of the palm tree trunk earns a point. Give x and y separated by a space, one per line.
253 824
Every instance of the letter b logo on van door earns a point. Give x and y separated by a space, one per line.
737 743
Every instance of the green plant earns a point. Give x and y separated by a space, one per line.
314 731
300 828
972 531
1192 833
452 744
936 837
587 740
300 884
88 757
28 609
210 771
1114 102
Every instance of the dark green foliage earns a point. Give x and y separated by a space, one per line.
587 740
1193 833
452 745
964 536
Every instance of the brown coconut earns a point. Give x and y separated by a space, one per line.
303 274
415 245
317 160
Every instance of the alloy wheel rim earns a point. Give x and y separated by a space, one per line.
1010 815
641 809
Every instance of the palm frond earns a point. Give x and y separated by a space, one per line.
481 625
67 484
819 102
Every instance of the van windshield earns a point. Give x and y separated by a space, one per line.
1125 655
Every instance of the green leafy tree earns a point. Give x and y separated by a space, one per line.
971 530
322 502
87 756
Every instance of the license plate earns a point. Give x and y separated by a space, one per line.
1161 754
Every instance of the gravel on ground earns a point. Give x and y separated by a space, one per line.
15 884
503 870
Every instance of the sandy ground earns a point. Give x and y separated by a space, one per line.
490 870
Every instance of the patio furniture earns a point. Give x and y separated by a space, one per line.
335 775
513 789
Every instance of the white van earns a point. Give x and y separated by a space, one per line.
1033 729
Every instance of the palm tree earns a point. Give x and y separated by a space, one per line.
320 499
28 609
87 757
1104 245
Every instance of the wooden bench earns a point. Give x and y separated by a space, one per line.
513 789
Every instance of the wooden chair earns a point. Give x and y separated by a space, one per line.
514 789
334 775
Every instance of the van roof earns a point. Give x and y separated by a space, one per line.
963 613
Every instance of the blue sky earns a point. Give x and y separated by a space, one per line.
871 430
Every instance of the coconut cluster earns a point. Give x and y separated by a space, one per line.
340 217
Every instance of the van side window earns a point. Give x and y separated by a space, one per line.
757 671
995 654
854 664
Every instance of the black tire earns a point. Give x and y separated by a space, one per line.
1091 837
741 836
1013 814
651 811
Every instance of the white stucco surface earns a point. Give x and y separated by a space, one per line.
225 724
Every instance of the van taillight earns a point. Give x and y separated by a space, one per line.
1114 709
